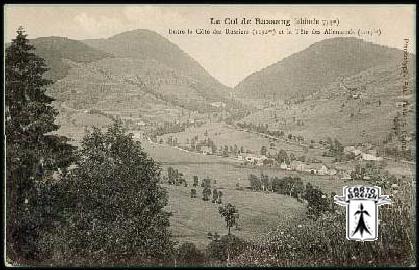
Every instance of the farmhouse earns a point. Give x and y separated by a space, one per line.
405 97
370 157
206 150
297 166
323 170
400 104
218 104
332 171
255 159
345 175
356 96
283 165
357 152
318 169
349 148
141 123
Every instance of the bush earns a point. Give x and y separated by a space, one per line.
188 254
229 246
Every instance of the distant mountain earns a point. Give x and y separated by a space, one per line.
355 108
55 49
148 45
139 76
310 70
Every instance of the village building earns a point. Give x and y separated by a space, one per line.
400 104
260 160
405 96
357 152
345 175
311 170
317 169
365 156
218 104
141 123
332 172
206 150
283 165
323 170
255 159
349 148
356 95
297 165
372 152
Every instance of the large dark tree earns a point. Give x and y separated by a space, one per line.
112 205
31 150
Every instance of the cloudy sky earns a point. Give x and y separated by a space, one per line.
229 58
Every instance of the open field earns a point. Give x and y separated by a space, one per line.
223 134
226 171
260 213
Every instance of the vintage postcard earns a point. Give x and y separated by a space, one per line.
210 135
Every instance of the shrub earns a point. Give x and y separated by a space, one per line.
188 254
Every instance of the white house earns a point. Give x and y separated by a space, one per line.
283 165
206 150
357 152
218 104
297 165
260 160
349 148
141 123
255 159
400 104
371 157
250 158
346 176
323 170
332 172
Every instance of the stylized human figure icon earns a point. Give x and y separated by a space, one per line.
361 227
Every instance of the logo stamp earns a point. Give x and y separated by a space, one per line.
361 204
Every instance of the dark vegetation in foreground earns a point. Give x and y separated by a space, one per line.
102 204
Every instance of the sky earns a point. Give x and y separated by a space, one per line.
228 58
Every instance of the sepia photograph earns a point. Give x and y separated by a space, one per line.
209 135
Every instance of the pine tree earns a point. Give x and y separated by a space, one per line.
31 149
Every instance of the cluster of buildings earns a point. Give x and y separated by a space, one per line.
365 152
295 165
254 159
315 169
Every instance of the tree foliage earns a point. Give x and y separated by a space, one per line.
112 203
230 214
188 254
225 248
32 152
